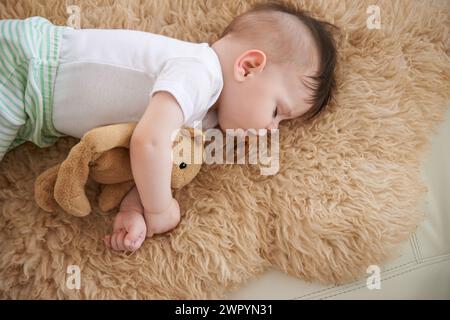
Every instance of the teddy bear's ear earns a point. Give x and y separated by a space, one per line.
197 134
186 132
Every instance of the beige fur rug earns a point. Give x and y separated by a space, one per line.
347 193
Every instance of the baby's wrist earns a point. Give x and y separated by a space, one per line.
160 211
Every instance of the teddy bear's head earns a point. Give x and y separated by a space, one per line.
187 151
103 155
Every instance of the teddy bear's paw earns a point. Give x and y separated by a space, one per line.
112 195
46 204
43 190
70 195
78 206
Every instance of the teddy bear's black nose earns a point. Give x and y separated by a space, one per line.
182 165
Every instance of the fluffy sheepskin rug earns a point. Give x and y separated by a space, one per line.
347 192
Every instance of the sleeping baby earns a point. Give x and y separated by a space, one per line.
271 63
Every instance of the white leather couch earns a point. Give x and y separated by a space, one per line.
422 271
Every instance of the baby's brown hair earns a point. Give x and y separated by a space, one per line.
283 20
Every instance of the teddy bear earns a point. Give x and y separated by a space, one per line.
103 155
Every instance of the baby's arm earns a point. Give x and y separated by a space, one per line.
151 163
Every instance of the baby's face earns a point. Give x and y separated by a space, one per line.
262 97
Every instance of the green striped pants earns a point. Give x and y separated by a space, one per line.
29 52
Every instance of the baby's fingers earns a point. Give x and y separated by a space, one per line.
133 244
120 240
135 236
117 240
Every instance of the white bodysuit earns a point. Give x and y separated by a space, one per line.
107 76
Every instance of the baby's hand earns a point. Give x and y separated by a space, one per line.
163 221
128 231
